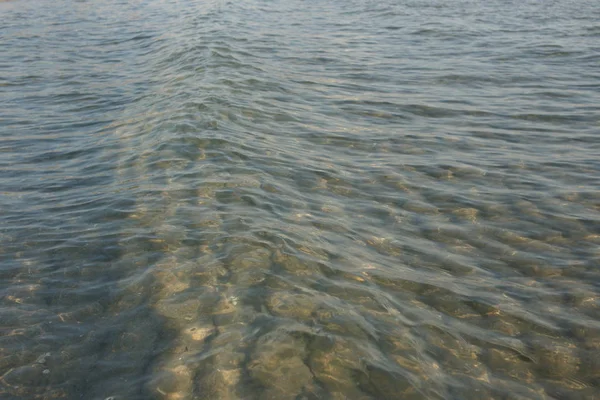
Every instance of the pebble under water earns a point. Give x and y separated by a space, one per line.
299 199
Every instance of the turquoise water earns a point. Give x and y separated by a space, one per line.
299 199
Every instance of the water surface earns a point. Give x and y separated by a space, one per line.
294 199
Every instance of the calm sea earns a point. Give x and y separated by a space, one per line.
287 199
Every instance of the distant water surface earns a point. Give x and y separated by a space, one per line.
294 199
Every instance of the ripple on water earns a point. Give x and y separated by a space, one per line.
217 200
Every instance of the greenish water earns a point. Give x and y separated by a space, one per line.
299 199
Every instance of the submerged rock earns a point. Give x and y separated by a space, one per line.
387 385
219 384
557 361
298 306
254 258
335 363
277 363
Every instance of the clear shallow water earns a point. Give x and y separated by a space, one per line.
299 200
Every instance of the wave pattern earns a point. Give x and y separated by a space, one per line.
299 200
